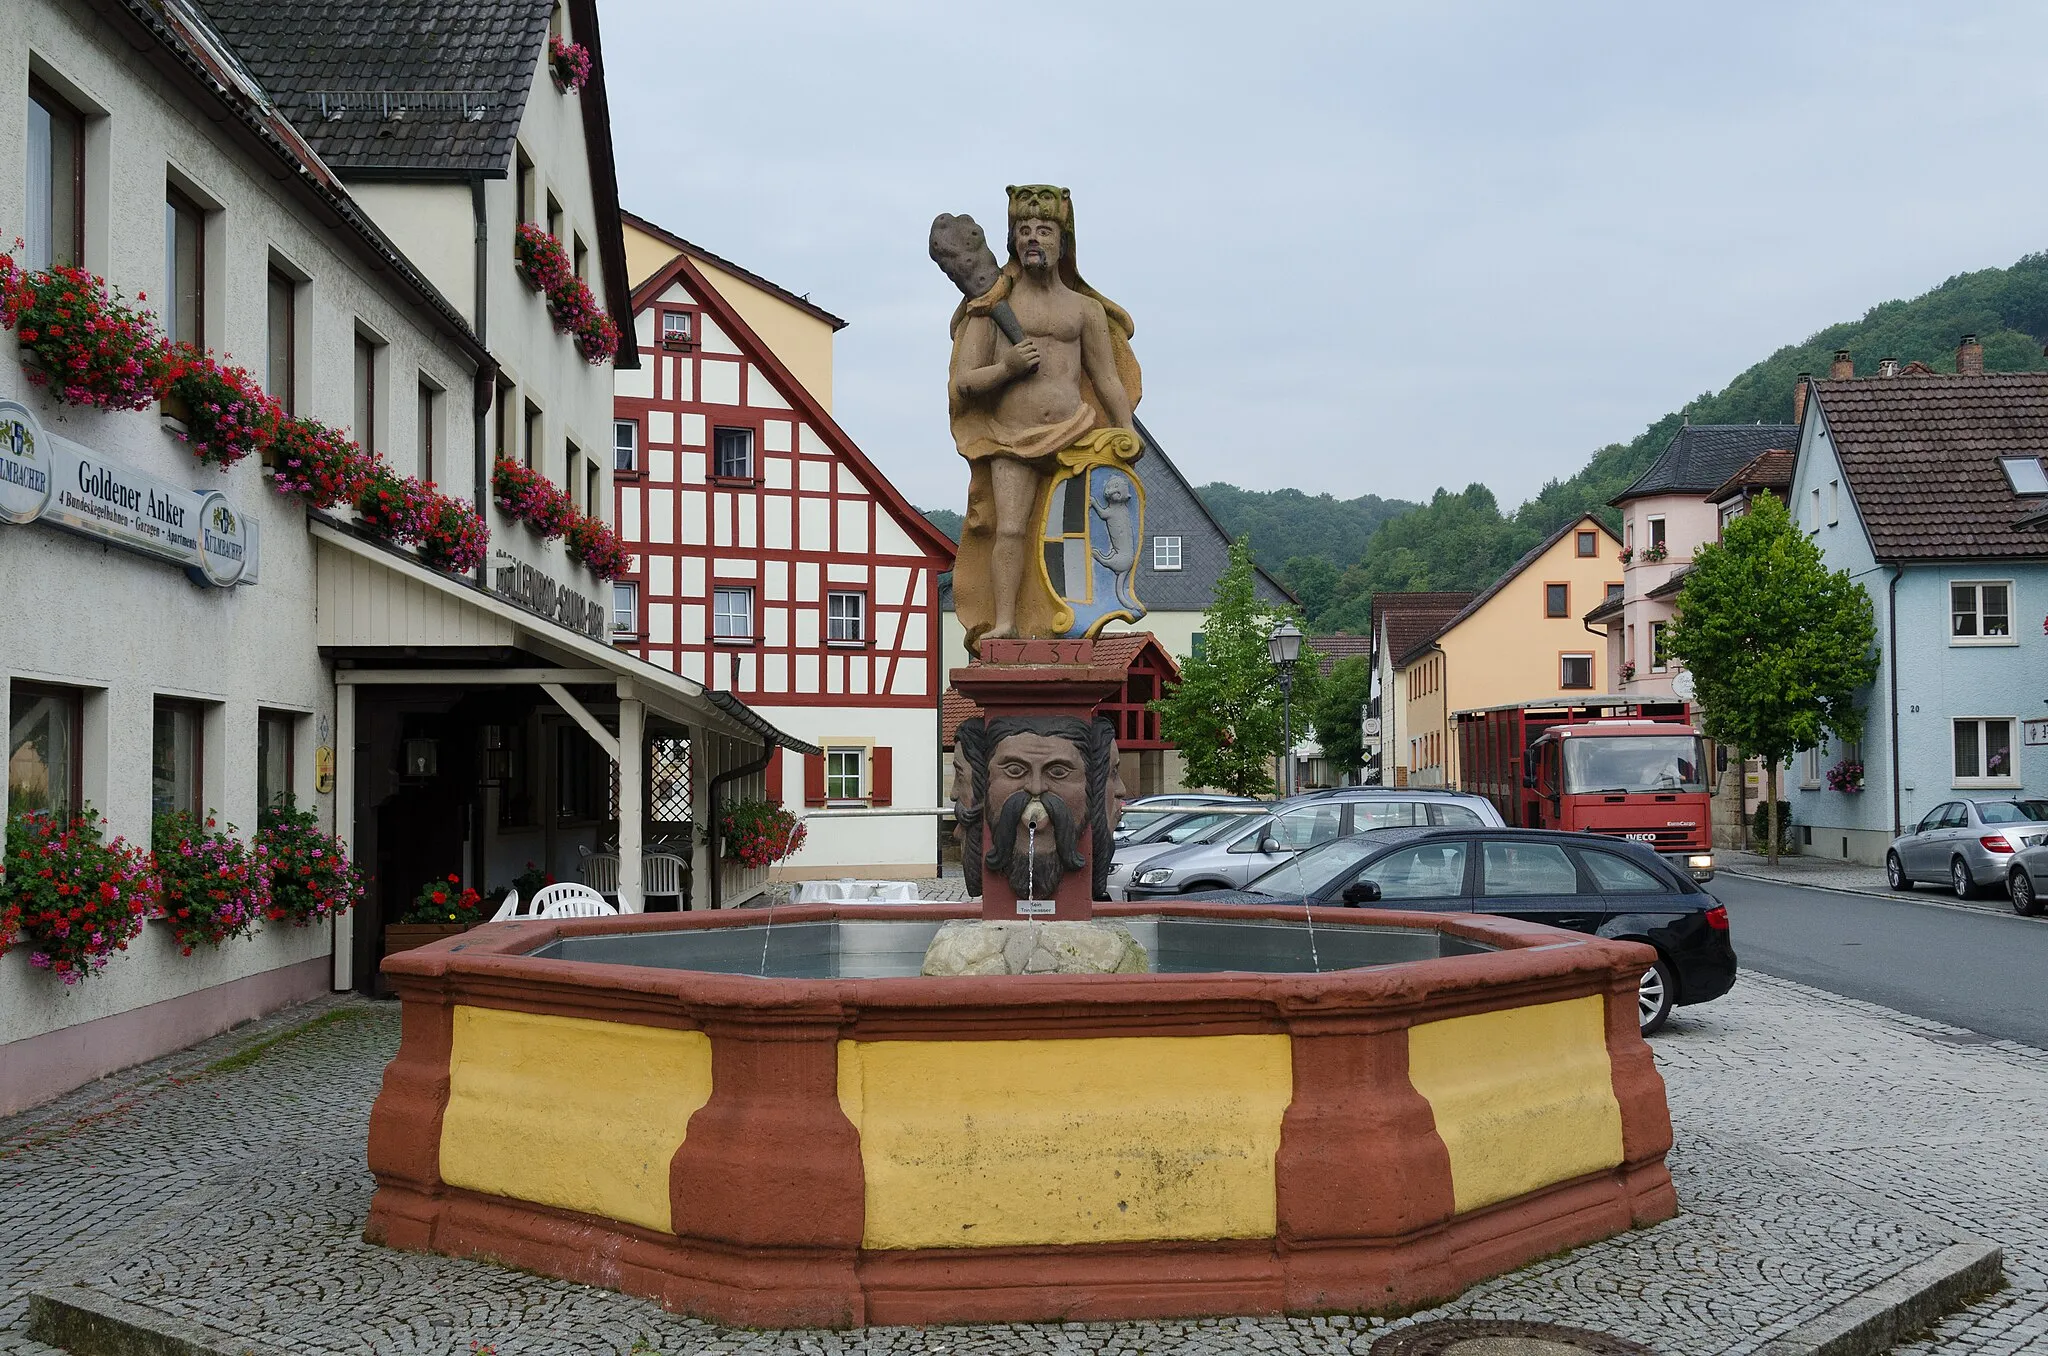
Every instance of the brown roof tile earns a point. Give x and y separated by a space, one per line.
1921 458
1121 648
1402 654
1768 470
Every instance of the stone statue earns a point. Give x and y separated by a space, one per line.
1043 384
1037 782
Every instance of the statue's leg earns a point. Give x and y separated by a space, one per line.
1015 490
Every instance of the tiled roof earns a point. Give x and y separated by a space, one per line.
1335 646
1701 456
1120 648
1769 470
460 70
1530 557
1921 456
1671 587
1609 610
1411 618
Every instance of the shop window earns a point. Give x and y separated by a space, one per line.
281 343
184 298
732 453
44 732
732 614
625 609
56 180
845 774
176 770
846 618
625 445
275 736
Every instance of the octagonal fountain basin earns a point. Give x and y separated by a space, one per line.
774 1120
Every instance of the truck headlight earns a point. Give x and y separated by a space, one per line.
1158 875
1701 864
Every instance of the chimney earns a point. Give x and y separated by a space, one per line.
1800 390
1969 357
1887 367
1843 369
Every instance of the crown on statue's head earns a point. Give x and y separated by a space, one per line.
1042 202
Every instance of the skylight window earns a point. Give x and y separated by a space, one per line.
2026 474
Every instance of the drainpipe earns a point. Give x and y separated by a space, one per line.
717 847
1891 623
486 378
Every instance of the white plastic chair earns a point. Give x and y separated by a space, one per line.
508 909
601 873
661 875
570 899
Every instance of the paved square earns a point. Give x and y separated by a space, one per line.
1824 1145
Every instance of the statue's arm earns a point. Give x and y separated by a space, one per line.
977 371
1100 360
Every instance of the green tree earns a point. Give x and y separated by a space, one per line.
1339 711
1313 579
1225 715
1777 644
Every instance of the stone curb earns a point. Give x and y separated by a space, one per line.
1887 1313
1903 896
85 1322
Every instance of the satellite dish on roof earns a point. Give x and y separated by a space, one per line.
1682 686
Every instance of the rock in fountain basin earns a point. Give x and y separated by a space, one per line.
841 1150
980 946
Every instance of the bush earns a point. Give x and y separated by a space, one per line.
760 832
213 886
72 897
311 878
1760 826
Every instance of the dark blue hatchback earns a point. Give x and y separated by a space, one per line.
1567 880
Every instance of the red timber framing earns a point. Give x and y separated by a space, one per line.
805 516
1149 673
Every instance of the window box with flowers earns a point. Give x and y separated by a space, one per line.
1846 776
597 546
532 498
569 63
394 508
71 896
80 340
1628 555
572 307
1656 553
220 411
311 877
212 887
443 908
1628 670
319 464
456 539
760 833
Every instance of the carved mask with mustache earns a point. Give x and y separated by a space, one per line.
1035 875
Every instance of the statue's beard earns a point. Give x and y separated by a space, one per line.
1036 260
1035 875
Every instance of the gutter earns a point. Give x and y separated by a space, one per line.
1891 623
711 809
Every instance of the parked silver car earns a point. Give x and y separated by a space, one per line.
1231 859
1172 831
1970 843
1148 811
2027 882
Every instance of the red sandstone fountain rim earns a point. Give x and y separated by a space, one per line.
495 965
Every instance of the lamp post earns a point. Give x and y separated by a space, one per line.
1284 648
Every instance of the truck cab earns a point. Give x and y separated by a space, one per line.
1642 780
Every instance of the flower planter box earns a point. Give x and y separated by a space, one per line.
406 936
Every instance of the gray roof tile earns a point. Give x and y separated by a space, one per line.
1702 456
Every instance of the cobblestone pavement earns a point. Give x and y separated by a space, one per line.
1824 1145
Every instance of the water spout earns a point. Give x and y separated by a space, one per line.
1031 862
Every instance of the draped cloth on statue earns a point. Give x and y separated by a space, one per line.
980 436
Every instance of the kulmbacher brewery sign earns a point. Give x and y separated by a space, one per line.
52 480
519 583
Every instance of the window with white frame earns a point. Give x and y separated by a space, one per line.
625 445
1575 671
1813 767
732 453
1656 533
1980 613
2025 474
846 774
675 328
1660 646
1984 750
1166 553
625 609
846 618
732 614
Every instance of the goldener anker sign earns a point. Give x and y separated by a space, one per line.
52 480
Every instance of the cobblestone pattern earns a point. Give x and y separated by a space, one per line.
236 1197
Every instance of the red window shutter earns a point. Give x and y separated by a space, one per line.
771 776
881 776
814 779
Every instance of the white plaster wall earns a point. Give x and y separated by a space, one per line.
125 628
433 225
854 846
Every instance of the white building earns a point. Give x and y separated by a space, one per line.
349 240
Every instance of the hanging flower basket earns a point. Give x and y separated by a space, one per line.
311 878
212 885
71 897
759 832
224 413
80 340
598 547
456 539
569 62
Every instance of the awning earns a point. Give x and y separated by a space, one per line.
372 597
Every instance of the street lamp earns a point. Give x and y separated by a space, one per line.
1284 647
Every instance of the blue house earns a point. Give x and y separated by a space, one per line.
1930 490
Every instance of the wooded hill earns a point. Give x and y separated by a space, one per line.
1463 540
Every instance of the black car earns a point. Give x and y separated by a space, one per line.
1567 880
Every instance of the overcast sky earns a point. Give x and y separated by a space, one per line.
1369 248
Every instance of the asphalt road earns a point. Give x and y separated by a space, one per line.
1987 972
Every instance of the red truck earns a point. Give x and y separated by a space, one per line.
1633 769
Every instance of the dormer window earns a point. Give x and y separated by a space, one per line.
675 329
2025 474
